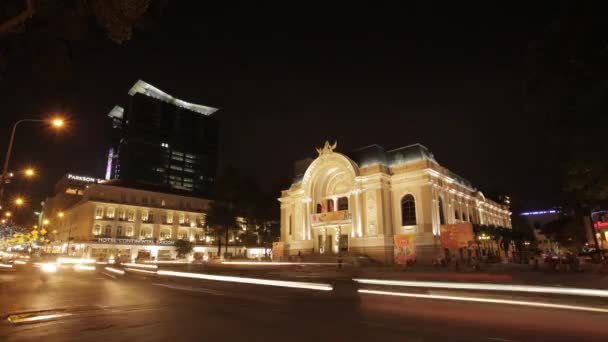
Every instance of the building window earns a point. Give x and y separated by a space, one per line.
182 218
198 237
145 233
129 231
343 203
464 216
441 214
110 212
121 214
408 211
165 234
99 212
456 214
97 229
162 203
289 224
183 235
144 215
119 231
319 208
330 205
108 231
151 216
170 218
131 216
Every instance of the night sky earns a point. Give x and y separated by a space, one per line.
288 78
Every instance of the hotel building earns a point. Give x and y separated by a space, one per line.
356 203
110 219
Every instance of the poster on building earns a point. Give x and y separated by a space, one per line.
454 236
405 249
277 250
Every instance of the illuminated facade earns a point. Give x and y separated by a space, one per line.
114 219
357 203
160 139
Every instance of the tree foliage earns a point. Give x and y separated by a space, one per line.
45 32
183 247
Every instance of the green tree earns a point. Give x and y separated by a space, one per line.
183 247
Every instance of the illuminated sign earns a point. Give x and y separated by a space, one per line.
135 241
85 179
600 224
541 212
340 215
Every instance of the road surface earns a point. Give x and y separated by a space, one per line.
97 307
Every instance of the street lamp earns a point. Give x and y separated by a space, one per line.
60 214
29 172
56 122
19 201
45 222
8 214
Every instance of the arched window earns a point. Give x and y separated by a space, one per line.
441 215
408 210
319 208
464 216
343 203
456 214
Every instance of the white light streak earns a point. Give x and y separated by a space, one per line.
49 267
6 265
20 262
80 267
165 262
22 319
64 260
138 270
487 300
282 263
115 270
489 287
154 267
256 281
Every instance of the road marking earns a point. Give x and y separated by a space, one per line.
489 287
193 289
501 339
487 300
256 281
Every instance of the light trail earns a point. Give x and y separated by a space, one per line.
486 300
165 262
489 287
138 270
256 281
6 265
64 260
49 267
278 263
20 262
80 267
153 267
27 318
114 270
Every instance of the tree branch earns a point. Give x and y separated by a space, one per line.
19 19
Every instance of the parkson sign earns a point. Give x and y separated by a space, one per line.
135 241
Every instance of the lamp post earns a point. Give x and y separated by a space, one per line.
55 122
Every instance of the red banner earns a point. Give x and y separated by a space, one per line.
454 236
405 249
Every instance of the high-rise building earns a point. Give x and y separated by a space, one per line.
163 140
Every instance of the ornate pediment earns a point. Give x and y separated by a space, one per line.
327 148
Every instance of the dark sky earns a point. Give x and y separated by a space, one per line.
288 78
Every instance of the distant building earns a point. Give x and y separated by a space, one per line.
163 140
359 202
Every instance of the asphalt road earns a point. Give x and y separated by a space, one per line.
101 308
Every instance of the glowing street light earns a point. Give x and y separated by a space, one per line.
56 122
29 172
60 214
19 201
8 214
46 222
3 221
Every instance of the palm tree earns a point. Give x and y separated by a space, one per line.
221 219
